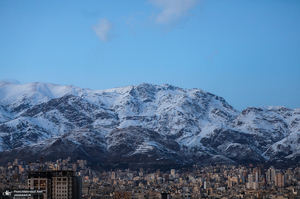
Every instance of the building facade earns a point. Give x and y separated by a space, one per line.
55 184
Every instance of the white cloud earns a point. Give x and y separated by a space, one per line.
103 29
172 10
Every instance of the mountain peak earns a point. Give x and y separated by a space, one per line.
144 123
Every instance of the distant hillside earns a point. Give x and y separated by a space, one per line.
144 125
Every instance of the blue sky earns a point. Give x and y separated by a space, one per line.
245 51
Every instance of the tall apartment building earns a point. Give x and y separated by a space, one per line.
40 180
271 174
113 175
173 173
279 180
55 184
257 173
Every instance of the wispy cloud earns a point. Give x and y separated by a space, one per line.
103 29
9 81
172 10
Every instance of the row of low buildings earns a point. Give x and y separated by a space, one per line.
65 179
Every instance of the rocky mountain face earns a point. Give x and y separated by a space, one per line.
140 126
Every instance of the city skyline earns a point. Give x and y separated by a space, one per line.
66 178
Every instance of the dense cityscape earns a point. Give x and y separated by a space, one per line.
220 181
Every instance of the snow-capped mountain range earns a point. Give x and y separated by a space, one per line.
142 125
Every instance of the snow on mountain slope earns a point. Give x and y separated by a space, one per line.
288 147
20 97
190 125
267 124
4 114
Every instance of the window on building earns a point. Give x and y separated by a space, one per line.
43 183
35 183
